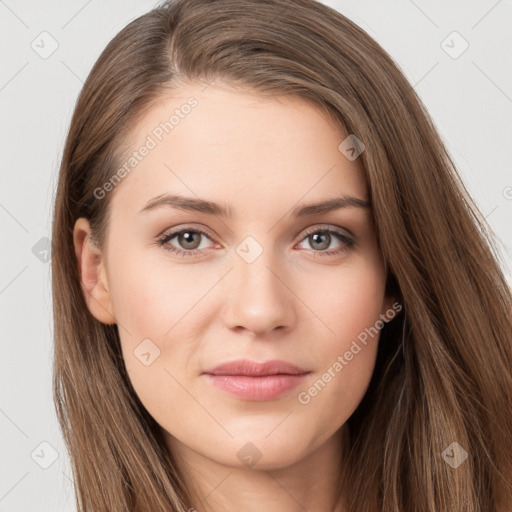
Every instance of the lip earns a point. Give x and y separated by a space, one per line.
252 380
256 369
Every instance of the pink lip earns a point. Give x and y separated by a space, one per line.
256 381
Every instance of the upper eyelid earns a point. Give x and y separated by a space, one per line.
305 231
327 227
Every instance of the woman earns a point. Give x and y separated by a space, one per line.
208 354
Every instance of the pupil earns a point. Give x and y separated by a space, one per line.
187 236
325 236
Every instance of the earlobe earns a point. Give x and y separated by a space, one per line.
93 276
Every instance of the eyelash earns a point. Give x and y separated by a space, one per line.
166 237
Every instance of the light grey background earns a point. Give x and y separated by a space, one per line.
469 98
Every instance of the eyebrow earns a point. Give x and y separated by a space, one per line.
211 208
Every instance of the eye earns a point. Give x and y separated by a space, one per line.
321 239
188 238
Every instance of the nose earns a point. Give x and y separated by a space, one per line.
258 297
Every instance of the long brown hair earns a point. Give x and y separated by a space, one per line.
443 372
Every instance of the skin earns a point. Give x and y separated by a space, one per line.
262 157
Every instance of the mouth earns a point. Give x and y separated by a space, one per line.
251 380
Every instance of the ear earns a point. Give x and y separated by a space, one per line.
93 274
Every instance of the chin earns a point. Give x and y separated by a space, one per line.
265 452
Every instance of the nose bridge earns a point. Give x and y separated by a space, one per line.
256 297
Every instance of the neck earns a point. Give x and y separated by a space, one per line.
311 483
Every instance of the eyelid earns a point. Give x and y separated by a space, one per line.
167 235
327 227
305 231
192 227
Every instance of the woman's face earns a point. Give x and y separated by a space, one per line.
239 275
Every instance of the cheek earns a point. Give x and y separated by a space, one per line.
345 354
148 298
159 309
350 301
151 305
175 305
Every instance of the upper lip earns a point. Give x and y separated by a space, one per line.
255 368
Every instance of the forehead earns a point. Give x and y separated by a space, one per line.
235 146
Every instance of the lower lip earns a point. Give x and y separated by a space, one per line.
262 388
